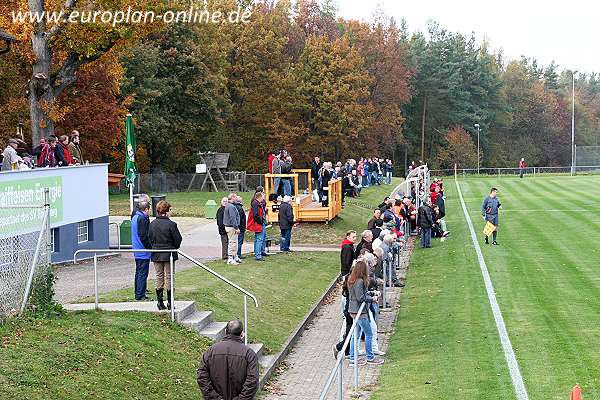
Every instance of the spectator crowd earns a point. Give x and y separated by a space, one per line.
369 263
53 151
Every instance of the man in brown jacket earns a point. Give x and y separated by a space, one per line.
229 369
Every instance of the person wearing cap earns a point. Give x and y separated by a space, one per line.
286 223
489 211
10 156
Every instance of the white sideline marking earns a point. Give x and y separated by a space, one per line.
509 354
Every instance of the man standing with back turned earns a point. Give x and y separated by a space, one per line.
229 369
489 210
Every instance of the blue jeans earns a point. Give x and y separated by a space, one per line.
276 182
141 278
264 239
374 179
389 178
287 187
364 325
368 177
425 237
240 242
258 245
286 239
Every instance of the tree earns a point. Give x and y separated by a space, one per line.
59 50
459 150
176 87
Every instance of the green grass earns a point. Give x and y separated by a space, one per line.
286 285
100 356
185 204
547 282
353 216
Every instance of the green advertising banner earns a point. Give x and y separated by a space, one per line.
14 218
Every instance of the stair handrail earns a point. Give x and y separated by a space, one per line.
172 299
221 277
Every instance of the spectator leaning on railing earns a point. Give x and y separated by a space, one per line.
358 283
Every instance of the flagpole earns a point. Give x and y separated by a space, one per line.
131 198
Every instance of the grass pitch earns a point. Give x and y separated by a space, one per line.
546 274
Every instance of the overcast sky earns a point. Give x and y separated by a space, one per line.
567 32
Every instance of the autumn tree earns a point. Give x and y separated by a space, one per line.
59 49
458 149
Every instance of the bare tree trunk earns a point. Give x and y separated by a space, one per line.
423 128
40 90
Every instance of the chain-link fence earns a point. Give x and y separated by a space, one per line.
180 182
587 155
24 253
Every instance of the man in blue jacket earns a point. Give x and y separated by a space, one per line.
140 226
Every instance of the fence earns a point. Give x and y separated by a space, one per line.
591 169
25 246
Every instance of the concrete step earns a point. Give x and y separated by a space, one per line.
214 330
197 320
258 349
184 310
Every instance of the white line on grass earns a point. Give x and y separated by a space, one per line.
509 354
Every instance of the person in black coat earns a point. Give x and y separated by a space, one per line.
286 223
365 243
240 207
326 176
221 228
164 235
347 255
425 220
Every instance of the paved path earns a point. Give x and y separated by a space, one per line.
200 241
310 363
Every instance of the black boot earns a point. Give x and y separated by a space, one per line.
168 299
487 241
159 298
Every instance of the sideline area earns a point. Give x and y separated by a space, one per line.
545 276
160 357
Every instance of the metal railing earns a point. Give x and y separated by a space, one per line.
515 171
338 367
172 280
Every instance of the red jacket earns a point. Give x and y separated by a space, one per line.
270 161
68 156
522 164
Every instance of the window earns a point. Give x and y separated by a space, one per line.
54 235
83 231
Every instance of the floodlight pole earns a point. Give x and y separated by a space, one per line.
573 126
477 126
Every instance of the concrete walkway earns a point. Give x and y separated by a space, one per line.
201 241
309 364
